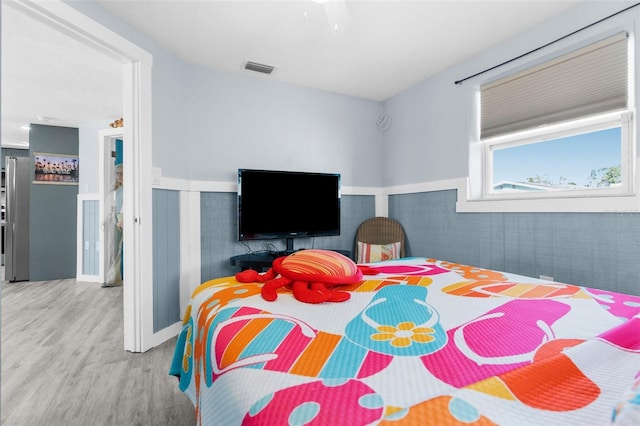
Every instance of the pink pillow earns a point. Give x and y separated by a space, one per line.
368 253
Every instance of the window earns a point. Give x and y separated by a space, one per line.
562 128
585 155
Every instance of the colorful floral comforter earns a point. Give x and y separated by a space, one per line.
420 342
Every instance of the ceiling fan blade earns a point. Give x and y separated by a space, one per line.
337 15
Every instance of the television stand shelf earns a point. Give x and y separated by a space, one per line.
262 261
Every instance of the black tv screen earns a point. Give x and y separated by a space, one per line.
283 204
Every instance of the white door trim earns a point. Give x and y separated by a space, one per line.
137 210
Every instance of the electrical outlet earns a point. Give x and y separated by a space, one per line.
546 277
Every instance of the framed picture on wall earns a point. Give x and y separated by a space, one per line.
57 169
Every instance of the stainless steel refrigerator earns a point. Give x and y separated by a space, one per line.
17 179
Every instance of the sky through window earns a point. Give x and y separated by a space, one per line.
562 161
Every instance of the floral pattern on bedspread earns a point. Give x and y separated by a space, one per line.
421 341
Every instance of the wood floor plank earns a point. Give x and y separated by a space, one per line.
63 361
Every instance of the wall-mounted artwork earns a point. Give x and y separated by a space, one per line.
59 169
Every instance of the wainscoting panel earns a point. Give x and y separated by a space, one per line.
166 258
219 231
600 250
90 237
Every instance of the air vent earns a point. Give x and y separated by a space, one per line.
254 66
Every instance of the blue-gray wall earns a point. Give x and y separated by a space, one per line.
219 232
13 152
53 210
600 250
166 258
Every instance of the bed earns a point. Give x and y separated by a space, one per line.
420 342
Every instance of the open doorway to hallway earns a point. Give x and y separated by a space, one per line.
135 70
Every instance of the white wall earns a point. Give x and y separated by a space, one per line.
88 152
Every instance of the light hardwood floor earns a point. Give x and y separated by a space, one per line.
63 361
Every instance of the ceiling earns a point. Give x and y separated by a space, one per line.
48 78
367 49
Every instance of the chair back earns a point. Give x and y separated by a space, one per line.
380 230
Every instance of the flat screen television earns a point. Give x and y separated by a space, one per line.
286 205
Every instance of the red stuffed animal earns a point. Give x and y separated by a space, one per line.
312 274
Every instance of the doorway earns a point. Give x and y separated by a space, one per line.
137 212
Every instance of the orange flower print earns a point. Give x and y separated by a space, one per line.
404 334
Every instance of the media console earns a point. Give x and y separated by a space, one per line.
261 261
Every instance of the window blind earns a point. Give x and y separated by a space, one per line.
587 81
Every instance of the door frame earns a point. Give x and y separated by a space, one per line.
137 194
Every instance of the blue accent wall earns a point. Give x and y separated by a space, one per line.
12 152
166 258
90 237
53 210
219 231
600 250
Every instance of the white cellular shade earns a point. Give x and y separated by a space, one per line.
588 81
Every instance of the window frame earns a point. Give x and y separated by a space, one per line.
471 191
621 118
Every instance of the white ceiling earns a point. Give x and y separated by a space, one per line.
379 49
47 74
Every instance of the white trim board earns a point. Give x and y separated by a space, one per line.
160 182
628 203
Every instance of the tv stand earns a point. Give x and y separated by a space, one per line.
262 261
257 261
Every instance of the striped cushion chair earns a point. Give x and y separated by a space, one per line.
378 239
